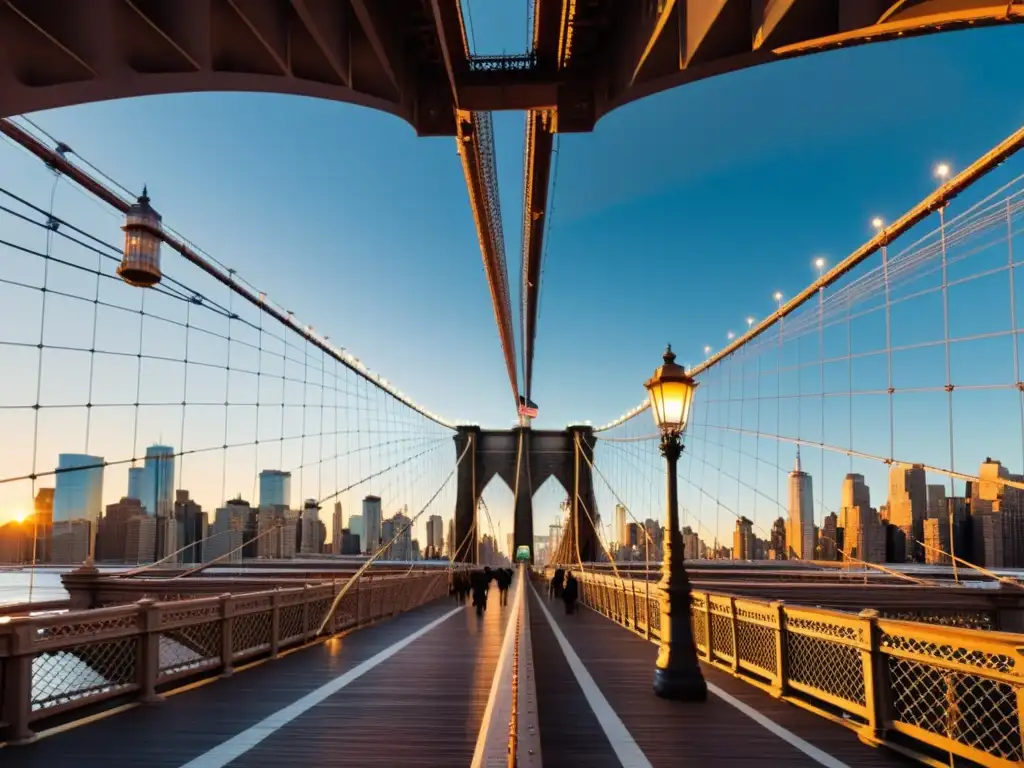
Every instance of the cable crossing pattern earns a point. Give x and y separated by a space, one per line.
876 419
192 422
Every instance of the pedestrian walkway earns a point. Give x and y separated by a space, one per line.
408 691
597 708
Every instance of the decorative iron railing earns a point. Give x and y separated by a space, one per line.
52 665
930 688
513 721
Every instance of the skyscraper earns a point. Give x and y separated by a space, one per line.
136 482
276 531
227 534
140 539
855 492
112 534
800 528
310 528
275 488
554 537
193 526
828 541
42 525
435 536
620 525
337 528
864 535
908 506
938 508
371 524
77 504
777 544
355 527
157 481
743 540
936 536
401 532
691 543
990 496
78 494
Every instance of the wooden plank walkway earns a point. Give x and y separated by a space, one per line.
667 733
420 706
569 731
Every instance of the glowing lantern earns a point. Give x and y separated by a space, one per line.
142 236
670 391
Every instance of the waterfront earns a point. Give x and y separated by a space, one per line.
34 585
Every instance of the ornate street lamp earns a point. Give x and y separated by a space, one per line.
140 265
677 674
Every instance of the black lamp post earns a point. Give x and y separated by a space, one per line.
677 674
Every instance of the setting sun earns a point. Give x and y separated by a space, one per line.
20 516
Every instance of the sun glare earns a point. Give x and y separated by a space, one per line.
19 516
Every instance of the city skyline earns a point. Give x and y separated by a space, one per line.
79 494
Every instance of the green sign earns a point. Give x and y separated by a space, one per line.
523 553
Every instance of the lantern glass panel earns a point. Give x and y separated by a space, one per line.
141 263
670 404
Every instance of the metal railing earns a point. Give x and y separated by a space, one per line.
40 606
925 688
513 720
53 665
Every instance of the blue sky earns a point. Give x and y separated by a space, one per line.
678 217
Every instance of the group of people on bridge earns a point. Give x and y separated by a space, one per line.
565 587
477 582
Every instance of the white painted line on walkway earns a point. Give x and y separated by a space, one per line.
502 680
817 755
238 745
626 749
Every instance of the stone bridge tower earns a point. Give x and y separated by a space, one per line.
538 455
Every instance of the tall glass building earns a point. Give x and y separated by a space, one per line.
157 494
372 524
78 495
275 488
136 482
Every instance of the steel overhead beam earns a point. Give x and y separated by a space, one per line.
655 24
475 140
188 34
451 33
378 31
59 28
716 35
476 150
539 145
548 22
269 24
550 19
327 23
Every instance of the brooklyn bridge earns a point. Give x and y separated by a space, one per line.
697 597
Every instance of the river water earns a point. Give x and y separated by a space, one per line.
34 585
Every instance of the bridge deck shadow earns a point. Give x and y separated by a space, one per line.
422 706
713 733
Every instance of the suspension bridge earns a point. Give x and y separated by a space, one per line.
884 630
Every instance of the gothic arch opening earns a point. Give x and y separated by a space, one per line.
525 458
551 507
494 516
